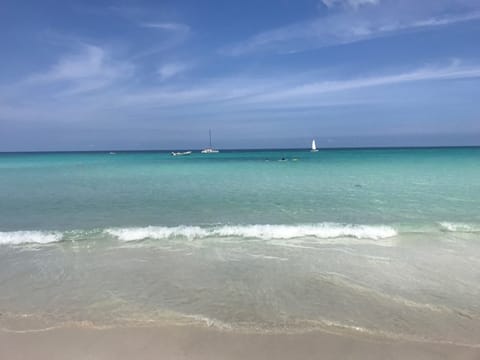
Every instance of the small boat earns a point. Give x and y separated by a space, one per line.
314 147
209 149
181 153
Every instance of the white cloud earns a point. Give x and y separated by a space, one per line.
171 35
430 73
293 91
90 68
445 20
167 71
169 26
343 27
349 3
288 92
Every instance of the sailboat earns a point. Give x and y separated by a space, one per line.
209 149
314 146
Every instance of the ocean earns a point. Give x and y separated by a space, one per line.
382 242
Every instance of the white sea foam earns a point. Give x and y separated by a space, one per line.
158 232
459 227
25 237
264 232
322 231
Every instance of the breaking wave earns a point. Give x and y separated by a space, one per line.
459 227
259 231
26 237
321 231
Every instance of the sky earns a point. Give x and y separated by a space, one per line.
95 75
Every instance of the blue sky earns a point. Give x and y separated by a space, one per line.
91 75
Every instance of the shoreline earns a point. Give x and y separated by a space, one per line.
194 342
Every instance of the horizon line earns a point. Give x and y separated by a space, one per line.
246 149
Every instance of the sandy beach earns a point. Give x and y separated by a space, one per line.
186 342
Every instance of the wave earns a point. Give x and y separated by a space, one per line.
459 227
321 231
27 237
157 232
253 231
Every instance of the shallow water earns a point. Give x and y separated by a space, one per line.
383 242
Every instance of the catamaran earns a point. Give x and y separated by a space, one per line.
209 149
314 146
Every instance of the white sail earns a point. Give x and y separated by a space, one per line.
314 146
210 149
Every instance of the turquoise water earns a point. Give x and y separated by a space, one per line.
379 242
98 190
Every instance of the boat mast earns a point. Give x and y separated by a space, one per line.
210 136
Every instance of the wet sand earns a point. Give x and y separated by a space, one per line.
189 342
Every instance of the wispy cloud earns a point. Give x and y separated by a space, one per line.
168 26
92 69
366 22
89 68
429 73
445 20
167 71
349 3
170 35
287 92
270 96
